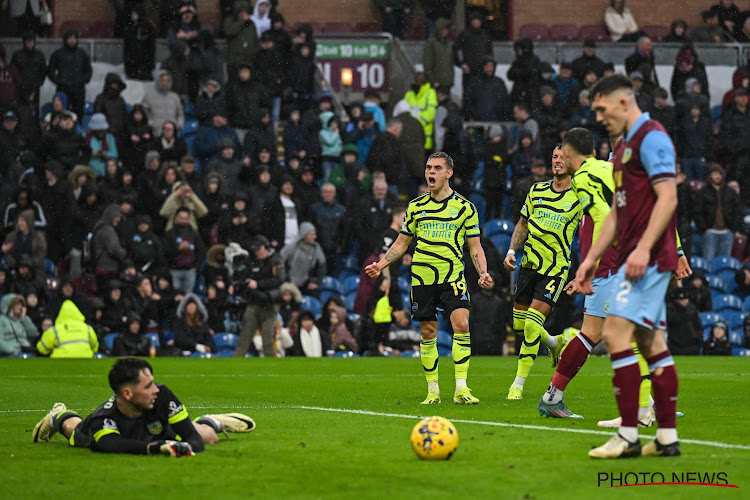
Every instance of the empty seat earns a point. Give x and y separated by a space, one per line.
709 319
330 283
699 263
725 262
404 284
537 32
727 276
727 302
734 318
737 338
190 128
349 301
501 242
311 304
595 32
496 226
350 285
563 32
225 341
717 284
153 338
656 32
109 341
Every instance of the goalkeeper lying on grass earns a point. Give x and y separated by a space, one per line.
142 418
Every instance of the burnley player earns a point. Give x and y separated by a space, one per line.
142 418
643 222
442 221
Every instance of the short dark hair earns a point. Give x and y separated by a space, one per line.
661 92
580 140
522 106
183 209
127 371
444 156
709 14
609 84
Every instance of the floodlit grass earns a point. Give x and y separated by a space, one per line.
301 449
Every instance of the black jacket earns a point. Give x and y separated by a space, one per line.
139 44
67 147
525 74
685 329
127 344
706 204
111 103
471 47
244 101
270 66
585 64
178 259
33 68
385 155
488 99
269 273
69 68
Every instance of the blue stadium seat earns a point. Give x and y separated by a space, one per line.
728 302
727 276
445 351
733 318
88 108
311 304
706 333
501 242
739 351
404 283
710 318
331 283
346 354
406 272
347 273
725 262
410 354
153 338
496 226
349 301
109 340
22 355
406 299
49 268
85 122
351 263
444 339
224 353
699 263
189 109
354 317
201 355
737 338
350 284
225 341
327 294
717 284
190 128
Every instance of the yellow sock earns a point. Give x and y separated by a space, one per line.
645 390
461 354
429 354
532 335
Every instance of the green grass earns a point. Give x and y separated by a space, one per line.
311 453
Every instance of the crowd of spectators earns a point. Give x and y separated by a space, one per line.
241 225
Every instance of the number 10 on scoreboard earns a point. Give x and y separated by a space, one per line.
367 75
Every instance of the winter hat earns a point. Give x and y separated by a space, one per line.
589 43
689 84
496 131
636 75
350 148
545 90
98 122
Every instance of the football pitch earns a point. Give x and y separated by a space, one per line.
339 428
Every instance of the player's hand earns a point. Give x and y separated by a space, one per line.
373 271
683 268
171 448
508 262
571 288
485 280
635 266
585 274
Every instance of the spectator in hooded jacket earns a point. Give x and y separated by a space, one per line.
524 73
309 341
101 142
111 103
488 99
687 65
70 337
133 341
438 56
273 73
245 97
138 138
469 49
191 326
64 144
163 104
301 75
109 255
31 63
70 69
304 260
185 250
296 138
180 65
210 100
139 46
171 147
16 329
242 37
25 240
684 324
695 143
718 343
699 293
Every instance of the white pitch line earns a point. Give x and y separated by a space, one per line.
714 444
517 426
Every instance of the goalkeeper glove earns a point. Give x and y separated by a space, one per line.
171 448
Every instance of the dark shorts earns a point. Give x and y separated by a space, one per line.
426 300
532 285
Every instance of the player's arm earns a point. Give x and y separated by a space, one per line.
479 260
666 203
520 232
178 418
397 249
